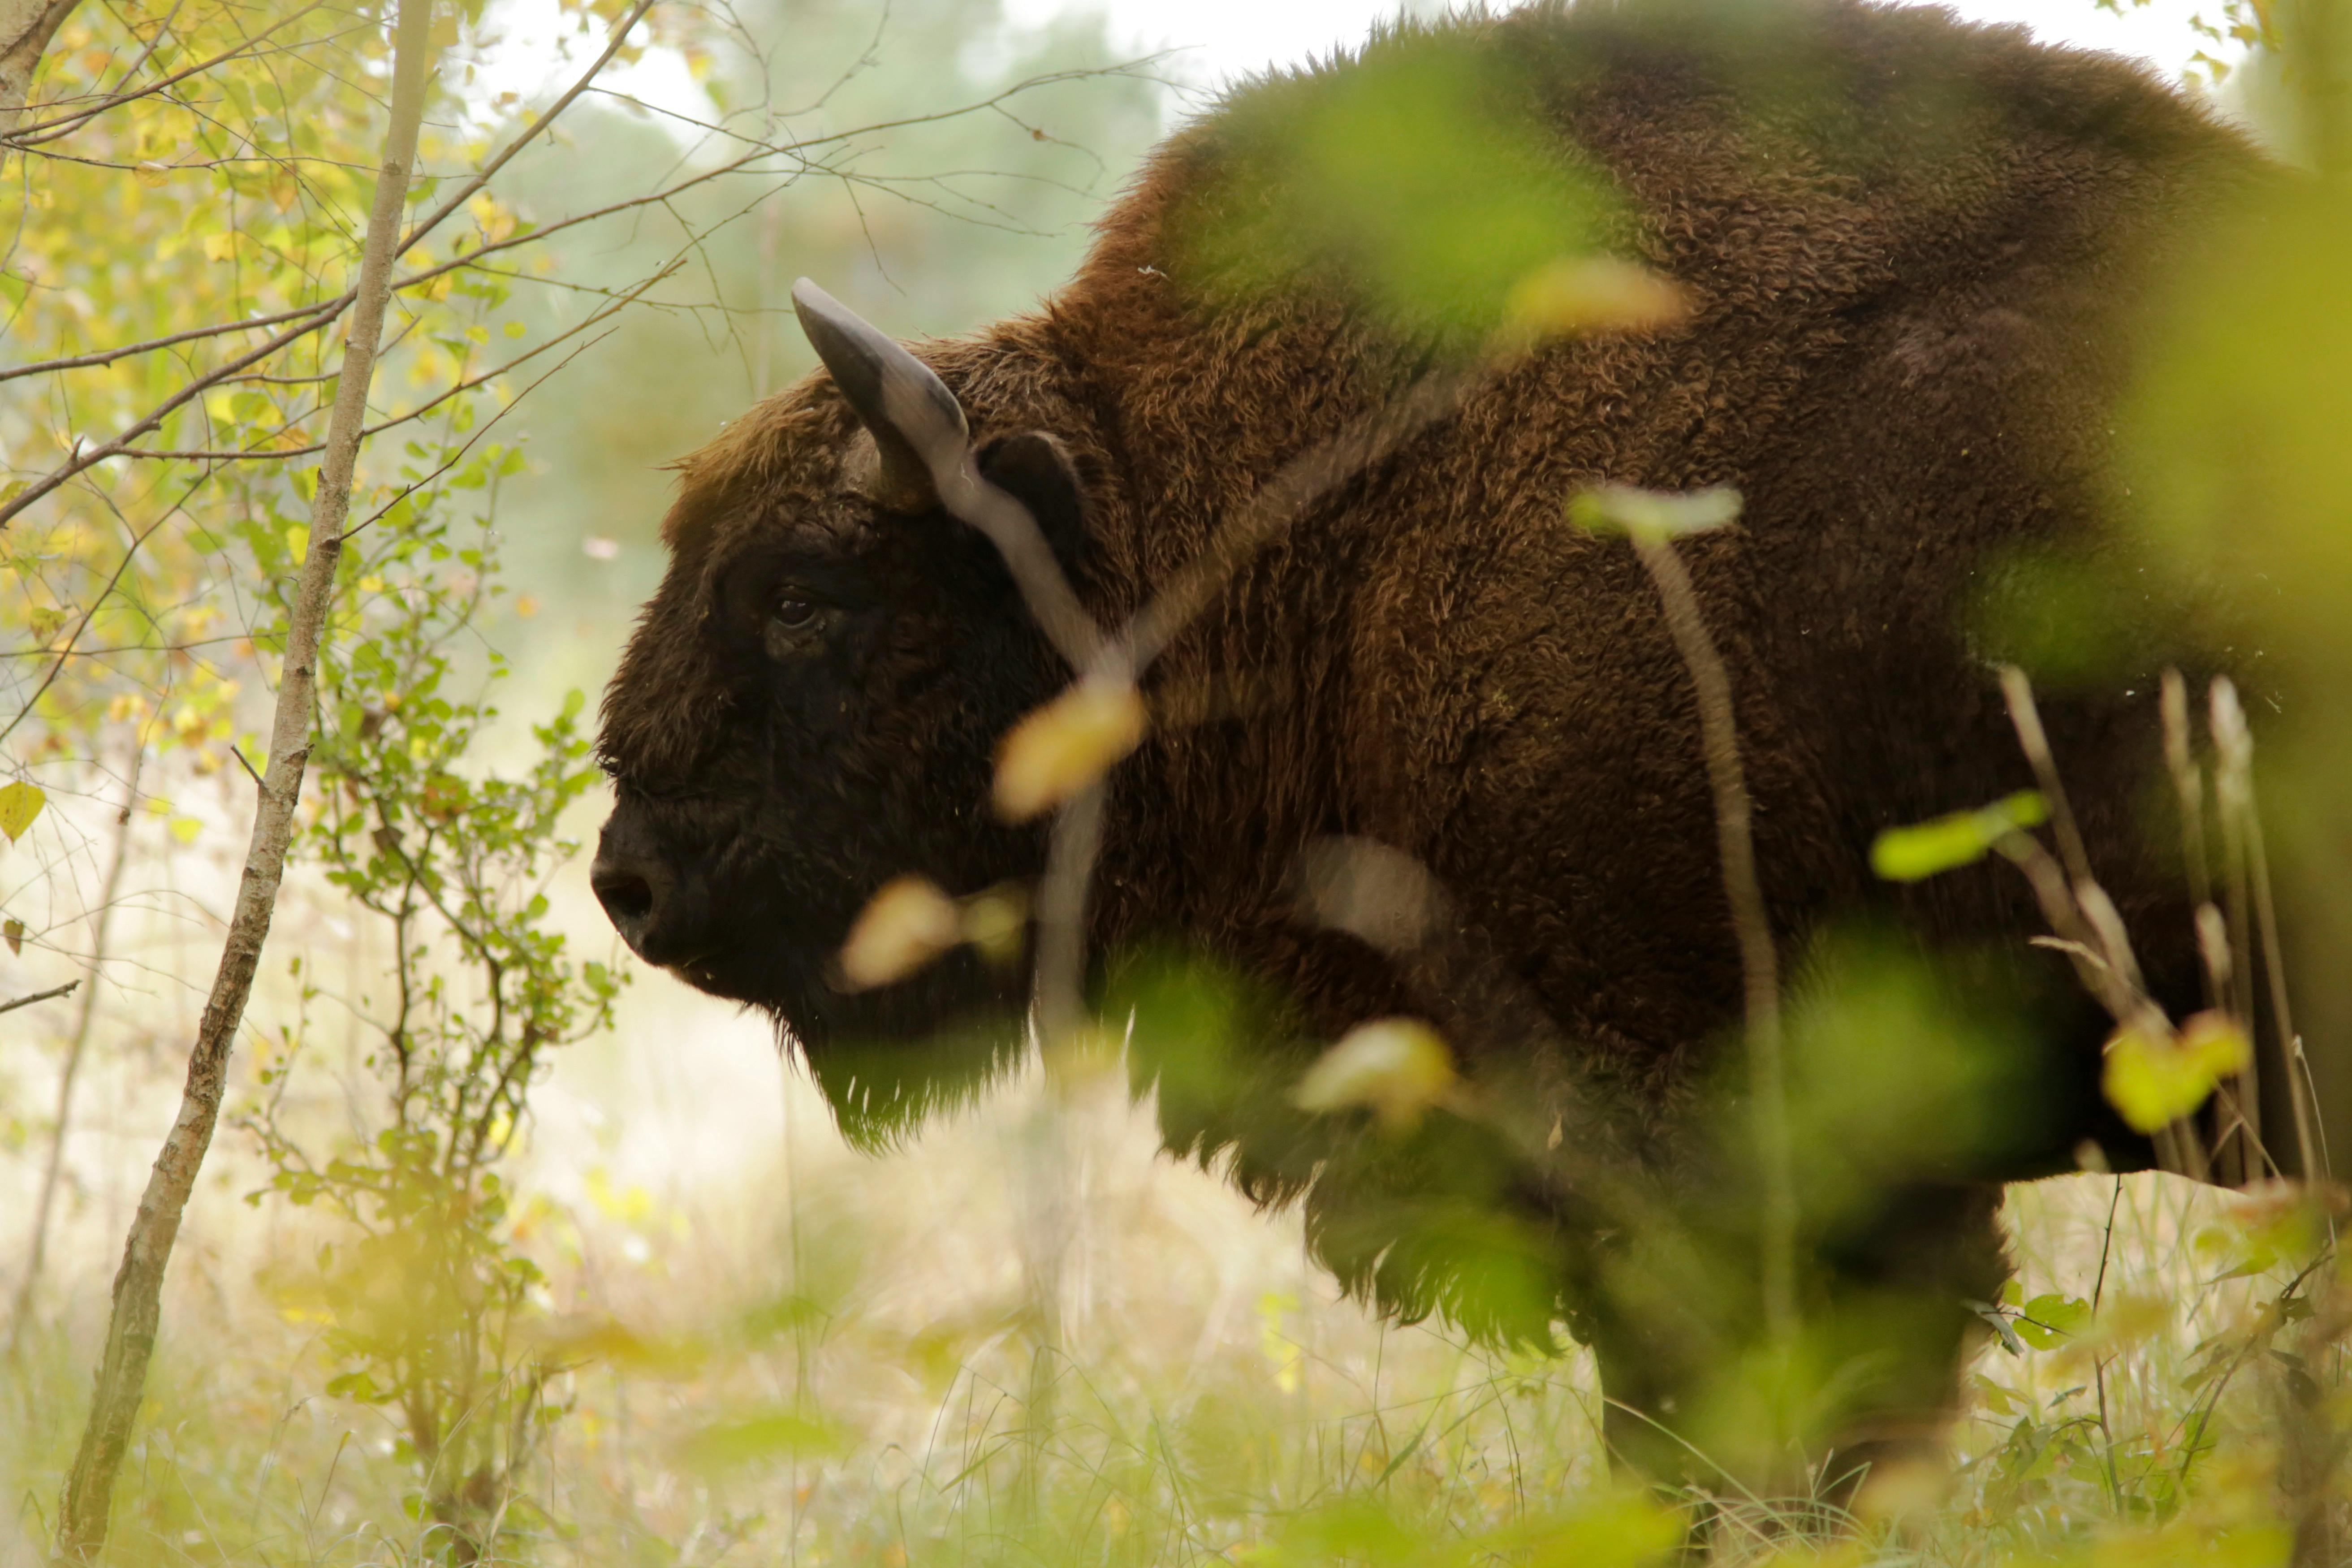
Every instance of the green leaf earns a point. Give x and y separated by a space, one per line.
2047 1322
20 802
1947 843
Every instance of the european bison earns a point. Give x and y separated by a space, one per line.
1914 254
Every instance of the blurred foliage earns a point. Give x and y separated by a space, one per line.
1417 183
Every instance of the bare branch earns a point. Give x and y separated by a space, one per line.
49 996
218 329
483 175
455 389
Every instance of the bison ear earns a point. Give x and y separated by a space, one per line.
1037 470
905 407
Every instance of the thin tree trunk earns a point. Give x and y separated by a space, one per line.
138 1285
86 1019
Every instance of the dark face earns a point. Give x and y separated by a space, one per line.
810 707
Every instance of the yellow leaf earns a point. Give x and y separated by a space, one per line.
905 926
526 606
13 932
1397 1068
151 173
1067 745
994 922
219 247
2153 1080
184 828
20 802
1579 294
2217 1044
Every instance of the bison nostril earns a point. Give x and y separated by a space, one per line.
654 903
627 896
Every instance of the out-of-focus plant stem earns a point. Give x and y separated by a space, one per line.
138 1284
84 1022
1759 960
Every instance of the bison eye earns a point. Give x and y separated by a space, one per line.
796 626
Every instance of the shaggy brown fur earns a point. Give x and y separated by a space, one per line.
1915 248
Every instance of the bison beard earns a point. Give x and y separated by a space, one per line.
1912 249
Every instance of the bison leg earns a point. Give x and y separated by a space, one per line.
1899 1310
1692 1399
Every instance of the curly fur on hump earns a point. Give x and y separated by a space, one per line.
1916 250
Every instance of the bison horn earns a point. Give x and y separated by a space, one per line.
907 409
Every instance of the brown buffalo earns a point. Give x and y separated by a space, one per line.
1914 254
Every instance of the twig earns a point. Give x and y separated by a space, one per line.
455 389
66 652
547 117
149 345
138 1285
48 995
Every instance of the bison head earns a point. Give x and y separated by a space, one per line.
812 701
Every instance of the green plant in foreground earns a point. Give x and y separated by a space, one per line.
426 1296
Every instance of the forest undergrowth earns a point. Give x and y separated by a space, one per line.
1211 1399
